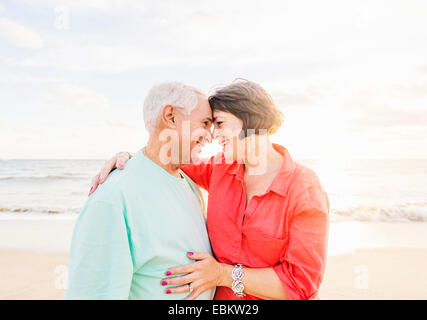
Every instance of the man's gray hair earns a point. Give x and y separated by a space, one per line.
176 94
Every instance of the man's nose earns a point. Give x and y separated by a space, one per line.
216 133
206 137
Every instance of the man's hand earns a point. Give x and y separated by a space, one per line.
118 161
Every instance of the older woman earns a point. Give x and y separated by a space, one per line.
267 215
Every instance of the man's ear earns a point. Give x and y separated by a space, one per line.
169 116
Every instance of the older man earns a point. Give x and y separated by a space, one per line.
145 218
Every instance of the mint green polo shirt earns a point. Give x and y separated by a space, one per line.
139 223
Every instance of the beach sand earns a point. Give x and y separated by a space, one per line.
376 273
33 258
29 275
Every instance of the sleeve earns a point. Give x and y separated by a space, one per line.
302 265
200 173
100 263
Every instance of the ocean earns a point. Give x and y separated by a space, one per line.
359 190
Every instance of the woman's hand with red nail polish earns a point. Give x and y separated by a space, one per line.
118 161
204 274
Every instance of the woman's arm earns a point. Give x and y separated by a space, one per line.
118 161
207 273
302 266
259 282
200 173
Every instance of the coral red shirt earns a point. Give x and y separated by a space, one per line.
286 228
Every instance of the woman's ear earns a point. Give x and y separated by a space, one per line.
169 116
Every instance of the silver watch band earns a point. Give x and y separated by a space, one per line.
237 275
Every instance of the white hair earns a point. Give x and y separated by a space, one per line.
176 94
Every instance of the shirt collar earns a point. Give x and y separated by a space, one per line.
282 180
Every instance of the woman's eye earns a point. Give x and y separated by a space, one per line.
219 123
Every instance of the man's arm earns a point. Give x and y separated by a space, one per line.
100 263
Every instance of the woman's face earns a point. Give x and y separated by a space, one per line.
227 128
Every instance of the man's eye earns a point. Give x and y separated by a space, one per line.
219 123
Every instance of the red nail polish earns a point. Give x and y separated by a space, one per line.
190 253
168 291
164 283
168 273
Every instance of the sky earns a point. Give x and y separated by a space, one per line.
349 76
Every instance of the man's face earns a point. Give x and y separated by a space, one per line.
194 130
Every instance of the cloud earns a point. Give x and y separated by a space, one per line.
69 101
19 35
309 96
55 105
422 68
84 56
414 91
66 120
111 7
204 33
25 78
345 71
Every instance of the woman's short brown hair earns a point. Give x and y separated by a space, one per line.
249 102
